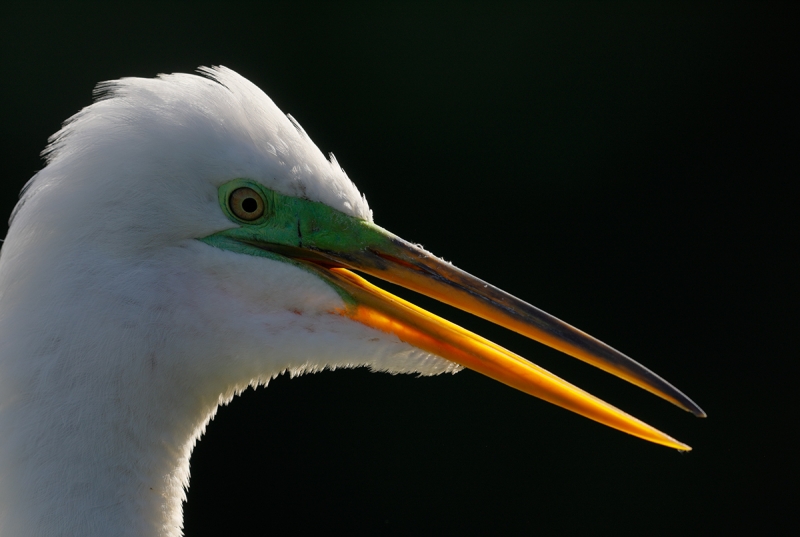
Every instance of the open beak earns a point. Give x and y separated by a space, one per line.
392 259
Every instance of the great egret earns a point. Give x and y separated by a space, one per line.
187 240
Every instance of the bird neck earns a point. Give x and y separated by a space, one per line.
96 425
98 463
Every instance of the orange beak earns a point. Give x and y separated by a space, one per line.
383 255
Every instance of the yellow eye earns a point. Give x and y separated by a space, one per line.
246 204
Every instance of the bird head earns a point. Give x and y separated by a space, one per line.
223 246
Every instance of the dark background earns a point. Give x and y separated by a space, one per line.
625 166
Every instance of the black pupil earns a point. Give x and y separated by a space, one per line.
249 205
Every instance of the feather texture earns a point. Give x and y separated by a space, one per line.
120 334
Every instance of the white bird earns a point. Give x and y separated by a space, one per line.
184 241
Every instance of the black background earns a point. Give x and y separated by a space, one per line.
627 167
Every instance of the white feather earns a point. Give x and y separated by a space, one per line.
120 334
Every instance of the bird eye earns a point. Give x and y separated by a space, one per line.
246 204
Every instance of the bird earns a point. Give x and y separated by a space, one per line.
186 240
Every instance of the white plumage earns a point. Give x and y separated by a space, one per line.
120 333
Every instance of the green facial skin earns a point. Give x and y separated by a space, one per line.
293 225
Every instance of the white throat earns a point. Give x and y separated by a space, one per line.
110 373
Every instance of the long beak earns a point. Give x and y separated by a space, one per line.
397 261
